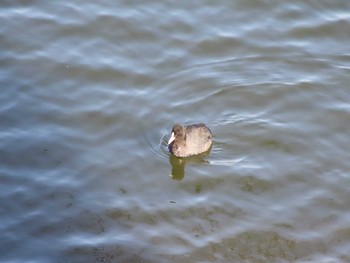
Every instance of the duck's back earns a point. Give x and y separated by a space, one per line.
198 139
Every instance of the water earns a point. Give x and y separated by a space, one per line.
90 92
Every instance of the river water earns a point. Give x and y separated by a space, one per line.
91 90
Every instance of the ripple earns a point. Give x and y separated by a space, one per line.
92 89
161 148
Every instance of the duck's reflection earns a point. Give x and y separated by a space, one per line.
178 164
177 167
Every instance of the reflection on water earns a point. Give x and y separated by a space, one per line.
178 164
89 103
177 167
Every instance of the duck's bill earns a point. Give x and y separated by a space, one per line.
172 138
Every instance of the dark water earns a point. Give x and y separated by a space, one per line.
90 92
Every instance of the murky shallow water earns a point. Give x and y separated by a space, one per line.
91 91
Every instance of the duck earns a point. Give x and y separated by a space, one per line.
190 140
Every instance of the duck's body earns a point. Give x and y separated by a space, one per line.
189 140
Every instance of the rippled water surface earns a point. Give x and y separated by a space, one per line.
90 91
